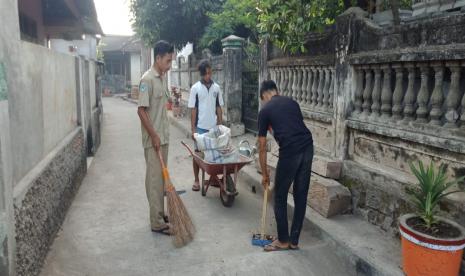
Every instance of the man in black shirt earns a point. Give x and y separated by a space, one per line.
282 116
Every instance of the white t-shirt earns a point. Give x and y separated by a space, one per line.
206 100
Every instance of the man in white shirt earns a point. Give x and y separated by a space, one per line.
205 102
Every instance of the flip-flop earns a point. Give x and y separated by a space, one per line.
196 187
164 231
272 247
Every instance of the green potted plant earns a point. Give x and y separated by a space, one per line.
431 245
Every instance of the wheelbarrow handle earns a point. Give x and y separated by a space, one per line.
188 148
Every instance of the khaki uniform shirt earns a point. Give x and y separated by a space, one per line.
153 94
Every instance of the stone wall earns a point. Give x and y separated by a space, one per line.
43 198
185 73
50 111
378 98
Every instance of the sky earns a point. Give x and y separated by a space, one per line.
114 16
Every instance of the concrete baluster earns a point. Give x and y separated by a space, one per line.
453 98
316 81
359 76
409 100
308 99
293 84
368 89
376 95
437 98
423 94
298 84
462 116
386 93
332 88
285 81
303 88
289 82
321 85
398 92
278 78
273 73
326 89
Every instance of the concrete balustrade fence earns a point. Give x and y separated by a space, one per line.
377 99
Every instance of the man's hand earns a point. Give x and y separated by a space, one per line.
192 135
156 143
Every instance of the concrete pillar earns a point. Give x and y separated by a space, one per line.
6 180
9 52
232 57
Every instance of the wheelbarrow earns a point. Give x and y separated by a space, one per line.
226 183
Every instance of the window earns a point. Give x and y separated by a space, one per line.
28 28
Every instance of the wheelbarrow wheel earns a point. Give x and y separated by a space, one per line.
226 199
203 189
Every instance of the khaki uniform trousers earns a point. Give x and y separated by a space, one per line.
154 185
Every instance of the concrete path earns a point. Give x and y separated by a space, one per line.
106 231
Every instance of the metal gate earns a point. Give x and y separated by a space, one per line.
250 93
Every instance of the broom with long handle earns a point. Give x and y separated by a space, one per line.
262 239
181 224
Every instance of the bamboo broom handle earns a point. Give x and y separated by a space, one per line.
265 203
166 175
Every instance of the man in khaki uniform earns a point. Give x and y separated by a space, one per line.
153 96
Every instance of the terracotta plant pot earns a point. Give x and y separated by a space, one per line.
426 255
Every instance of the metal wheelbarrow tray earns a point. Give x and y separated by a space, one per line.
226 183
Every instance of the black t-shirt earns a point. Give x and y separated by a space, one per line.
283 116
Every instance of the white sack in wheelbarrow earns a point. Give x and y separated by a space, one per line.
216 138
216 145
222 156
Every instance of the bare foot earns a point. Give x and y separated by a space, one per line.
196 186
276 246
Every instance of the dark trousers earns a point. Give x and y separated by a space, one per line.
294 169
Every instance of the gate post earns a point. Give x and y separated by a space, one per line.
232 58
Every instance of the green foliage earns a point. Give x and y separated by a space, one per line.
286 23
238 17
433 188
177 21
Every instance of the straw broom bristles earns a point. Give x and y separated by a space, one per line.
183 229
181 224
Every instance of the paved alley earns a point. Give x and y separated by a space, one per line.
106 231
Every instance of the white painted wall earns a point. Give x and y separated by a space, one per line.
135 68
42 105
86 47
93 95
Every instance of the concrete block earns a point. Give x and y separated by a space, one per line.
326 167
328 197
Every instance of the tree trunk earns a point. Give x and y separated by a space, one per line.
395 11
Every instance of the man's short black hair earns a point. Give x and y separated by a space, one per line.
203 66
266 86
162 48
